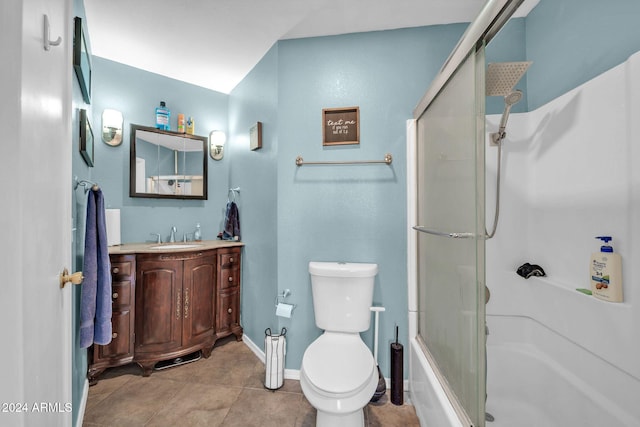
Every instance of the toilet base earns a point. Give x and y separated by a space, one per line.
353 419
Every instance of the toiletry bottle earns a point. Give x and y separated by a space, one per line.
191 126
606 273
197 235
181 126
162 116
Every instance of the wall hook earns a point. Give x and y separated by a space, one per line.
48 43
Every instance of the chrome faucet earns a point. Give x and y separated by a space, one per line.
172 238
158 238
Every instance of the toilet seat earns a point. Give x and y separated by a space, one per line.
338 363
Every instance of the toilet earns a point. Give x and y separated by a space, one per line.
338 374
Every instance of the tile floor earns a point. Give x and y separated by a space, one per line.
223 390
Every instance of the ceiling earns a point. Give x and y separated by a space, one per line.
215 43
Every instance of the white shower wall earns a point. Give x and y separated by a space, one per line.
570 172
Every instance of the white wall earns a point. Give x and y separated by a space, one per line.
569 174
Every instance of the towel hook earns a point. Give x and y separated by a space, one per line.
47 42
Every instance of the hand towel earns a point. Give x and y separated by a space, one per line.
95 308
231 222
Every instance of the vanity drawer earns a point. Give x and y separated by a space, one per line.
122 267
229 278
121 294
230 260
120 337
228 310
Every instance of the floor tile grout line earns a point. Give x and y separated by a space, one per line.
175 394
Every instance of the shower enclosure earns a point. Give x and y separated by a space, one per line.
451 239
449 218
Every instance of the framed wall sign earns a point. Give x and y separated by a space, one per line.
341 126
82 60
255 136
86 138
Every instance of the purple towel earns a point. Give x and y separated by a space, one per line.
95 308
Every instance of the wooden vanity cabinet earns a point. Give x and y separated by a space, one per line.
228 307
121 350
175 306
170 304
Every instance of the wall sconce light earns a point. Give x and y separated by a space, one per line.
112 127
217 138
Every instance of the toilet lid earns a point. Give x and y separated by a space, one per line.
338 363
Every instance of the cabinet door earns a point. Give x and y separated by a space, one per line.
199 300
158 306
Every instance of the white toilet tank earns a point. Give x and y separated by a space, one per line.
342 295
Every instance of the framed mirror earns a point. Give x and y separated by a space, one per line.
167 165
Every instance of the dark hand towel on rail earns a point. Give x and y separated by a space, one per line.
95 309
231 222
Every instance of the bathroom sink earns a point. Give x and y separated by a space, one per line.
176 246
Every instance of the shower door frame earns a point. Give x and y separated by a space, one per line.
490 20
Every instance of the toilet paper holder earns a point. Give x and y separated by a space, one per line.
284 309
282 295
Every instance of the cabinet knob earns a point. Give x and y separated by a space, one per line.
114 335
230 278
115 270
229 310
115 295
231 259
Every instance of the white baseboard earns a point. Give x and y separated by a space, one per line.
253 347
294 374
289 374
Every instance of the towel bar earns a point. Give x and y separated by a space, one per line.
388 158
462 235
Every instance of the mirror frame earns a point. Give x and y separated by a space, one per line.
132 164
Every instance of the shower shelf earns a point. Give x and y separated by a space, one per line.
444 234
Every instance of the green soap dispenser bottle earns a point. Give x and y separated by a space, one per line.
606 273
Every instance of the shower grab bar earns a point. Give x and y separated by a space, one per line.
444 234
388 158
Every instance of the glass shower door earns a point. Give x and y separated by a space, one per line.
451 315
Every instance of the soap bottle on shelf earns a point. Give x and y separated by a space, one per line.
191 126
181 126
163 116
197 235
606 273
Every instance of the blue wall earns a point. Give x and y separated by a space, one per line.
573 41
569 42
349 213
255 99
136 94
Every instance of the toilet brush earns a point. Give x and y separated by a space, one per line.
382 384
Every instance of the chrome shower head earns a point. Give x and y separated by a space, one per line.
513 98
502 77
509 100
